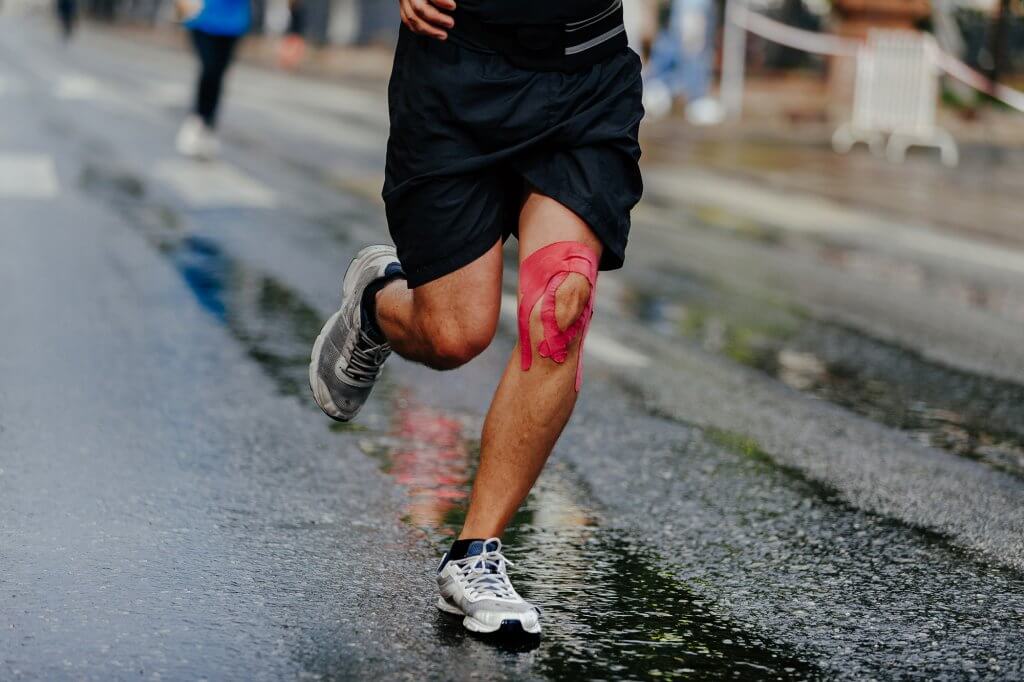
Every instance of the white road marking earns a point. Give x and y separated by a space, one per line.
597 345
509 307
168 93
320 128
336 98
214 185
28 176
77 87
799 213
810 214
11 84
611 351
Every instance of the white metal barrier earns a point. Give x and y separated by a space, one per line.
882 109
895 97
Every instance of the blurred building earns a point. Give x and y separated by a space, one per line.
327 22
975 22
978 32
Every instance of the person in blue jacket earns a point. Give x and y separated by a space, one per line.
215 27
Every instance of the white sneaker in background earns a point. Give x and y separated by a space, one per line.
705 111
195 140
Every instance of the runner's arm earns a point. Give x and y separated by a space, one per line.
426 18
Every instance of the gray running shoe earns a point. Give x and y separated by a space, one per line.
346 361
478 589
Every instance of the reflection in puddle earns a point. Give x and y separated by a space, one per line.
428 456
610 610
965 414
272 323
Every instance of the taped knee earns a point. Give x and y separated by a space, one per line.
541 278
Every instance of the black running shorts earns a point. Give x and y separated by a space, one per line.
470 133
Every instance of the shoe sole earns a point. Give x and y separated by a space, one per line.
321 394
508 628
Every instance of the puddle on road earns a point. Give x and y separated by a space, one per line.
969 415
428 456
274 326
610 611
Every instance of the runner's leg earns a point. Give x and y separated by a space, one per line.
202 45
530 409
215 53
449 321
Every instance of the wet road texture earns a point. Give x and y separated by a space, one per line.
799 453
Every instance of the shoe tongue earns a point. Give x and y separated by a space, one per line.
478 547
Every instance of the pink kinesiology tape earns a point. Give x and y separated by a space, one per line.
540 275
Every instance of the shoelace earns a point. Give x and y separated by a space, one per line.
485 575
367 358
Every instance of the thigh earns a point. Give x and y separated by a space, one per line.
449 234
468 299
201 43
544 221
222 47
440 225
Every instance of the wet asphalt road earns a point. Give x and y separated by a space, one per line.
799 453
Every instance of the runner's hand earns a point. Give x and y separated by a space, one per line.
426 18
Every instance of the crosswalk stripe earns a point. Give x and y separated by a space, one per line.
77 87
214 185
797 212
28 176
168 93
611 351
11 84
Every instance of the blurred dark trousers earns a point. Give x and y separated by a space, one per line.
215 54
67 12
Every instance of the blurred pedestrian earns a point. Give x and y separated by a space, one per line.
292 49
640 18
215 28
67 15
507 118
681 61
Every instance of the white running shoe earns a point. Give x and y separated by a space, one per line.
196 141
478 589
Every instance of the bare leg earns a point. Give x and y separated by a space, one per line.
529 409
448 322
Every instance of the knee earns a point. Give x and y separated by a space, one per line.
561 277
453 345
571 299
